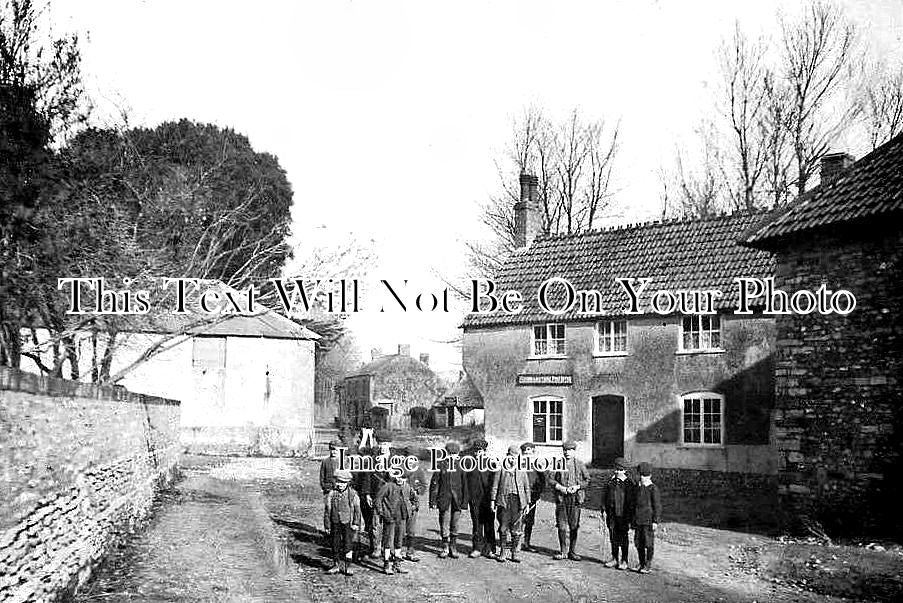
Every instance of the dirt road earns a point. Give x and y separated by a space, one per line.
249 530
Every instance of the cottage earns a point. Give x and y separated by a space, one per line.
689 393
462 405
839 379
383 392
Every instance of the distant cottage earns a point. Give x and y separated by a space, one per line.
383 392
462 405
839 406
690 393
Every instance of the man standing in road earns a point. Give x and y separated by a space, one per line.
482 518
569 486
448 493
537 485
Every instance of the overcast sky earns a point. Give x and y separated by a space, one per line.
388 116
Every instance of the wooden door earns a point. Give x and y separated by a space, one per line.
608 429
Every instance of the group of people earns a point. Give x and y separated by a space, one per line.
502 506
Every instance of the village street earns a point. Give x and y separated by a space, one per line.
249 530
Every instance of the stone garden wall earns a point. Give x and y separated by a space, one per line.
79 467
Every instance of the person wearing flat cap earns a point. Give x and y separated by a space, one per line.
616 501
328 467
647 509
342 518
482 518
569 487
448 493
510 499
537 485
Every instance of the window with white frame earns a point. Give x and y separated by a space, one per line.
700 332
611 337
548 340
703 419
548 421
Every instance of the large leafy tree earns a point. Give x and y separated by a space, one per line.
41 99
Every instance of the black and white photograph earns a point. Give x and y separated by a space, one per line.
451 302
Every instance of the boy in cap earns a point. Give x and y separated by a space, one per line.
482 517
646 506
328 467
616 501
510 498
569 486
342 518
448 493
537 485
395 503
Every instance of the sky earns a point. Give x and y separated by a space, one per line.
389 117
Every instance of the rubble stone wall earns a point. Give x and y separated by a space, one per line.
838 426
80 465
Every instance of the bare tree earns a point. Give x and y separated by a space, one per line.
882 103
573 163
746 106
817 54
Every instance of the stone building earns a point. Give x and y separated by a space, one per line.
383 391
462 405
246 382
839 405
689 393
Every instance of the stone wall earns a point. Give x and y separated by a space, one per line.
839 380
80 465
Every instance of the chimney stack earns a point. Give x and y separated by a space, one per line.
425 359
526 212
833 166
375 353
404 349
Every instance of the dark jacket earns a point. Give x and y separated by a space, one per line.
646 505
370 482
327 473
479 486
537 484
513 482
352 513
618 498
448 489
396 502
557 478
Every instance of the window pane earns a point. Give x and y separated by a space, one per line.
539 332
539 428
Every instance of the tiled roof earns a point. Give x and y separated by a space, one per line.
389 360
677 255
871 187
464 395
269 325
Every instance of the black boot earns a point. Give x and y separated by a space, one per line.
453 547
515 549
528 532
572 551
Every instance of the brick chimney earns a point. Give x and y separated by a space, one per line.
526 212
404 349
833 166
425 359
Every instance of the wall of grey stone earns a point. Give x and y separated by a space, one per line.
839 381
79 465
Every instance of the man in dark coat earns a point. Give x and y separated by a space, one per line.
328 468
647 509
537 485
479 486
510 497
616 501
369 484
569 487
448 493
